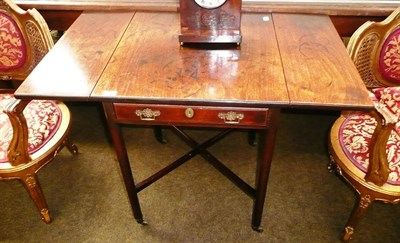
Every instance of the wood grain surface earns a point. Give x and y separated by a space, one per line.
74 65
149 65
317 68
285 60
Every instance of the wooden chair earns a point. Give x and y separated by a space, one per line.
365 146
31 132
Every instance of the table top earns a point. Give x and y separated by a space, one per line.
285 60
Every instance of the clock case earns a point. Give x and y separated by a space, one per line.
215 25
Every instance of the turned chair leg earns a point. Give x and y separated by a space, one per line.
332 167
32 185
71 146
360 208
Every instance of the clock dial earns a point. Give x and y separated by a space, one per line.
210 3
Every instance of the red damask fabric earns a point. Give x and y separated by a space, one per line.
389 97
12 44
389 60
43 119
355 137
356 131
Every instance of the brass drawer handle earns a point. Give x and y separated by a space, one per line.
231 117
189 113
147 114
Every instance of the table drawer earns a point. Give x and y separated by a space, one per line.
191 115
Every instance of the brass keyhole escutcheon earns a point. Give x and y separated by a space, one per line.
189 112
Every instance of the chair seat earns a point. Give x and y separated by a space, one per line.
353 133
44 119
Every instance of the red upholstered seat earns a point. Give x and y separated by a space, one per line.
43 119
355 138
356 131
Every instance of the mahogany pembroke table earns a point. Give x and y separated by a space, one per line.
133 63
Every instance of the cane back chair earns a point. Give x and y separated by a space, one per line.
365 146
31 132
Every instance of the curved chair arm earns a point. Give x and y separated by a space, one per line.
18 149
378 169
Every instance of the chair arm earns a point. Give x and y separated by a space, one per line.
18 149
387 103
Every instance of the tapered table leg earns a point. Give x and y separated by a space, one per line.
266 149
123 160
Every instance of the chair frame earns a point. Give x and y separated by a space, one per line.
367 41
21 164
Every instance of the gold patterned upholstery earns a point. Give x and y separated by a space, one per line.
365 146
31 132
12 43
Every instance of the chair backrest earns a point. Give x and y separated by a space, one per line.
375 50
24 40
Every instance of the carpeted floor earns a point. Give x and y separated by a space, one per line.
195 203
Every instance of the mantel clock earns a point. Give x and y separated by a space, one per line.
210 21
